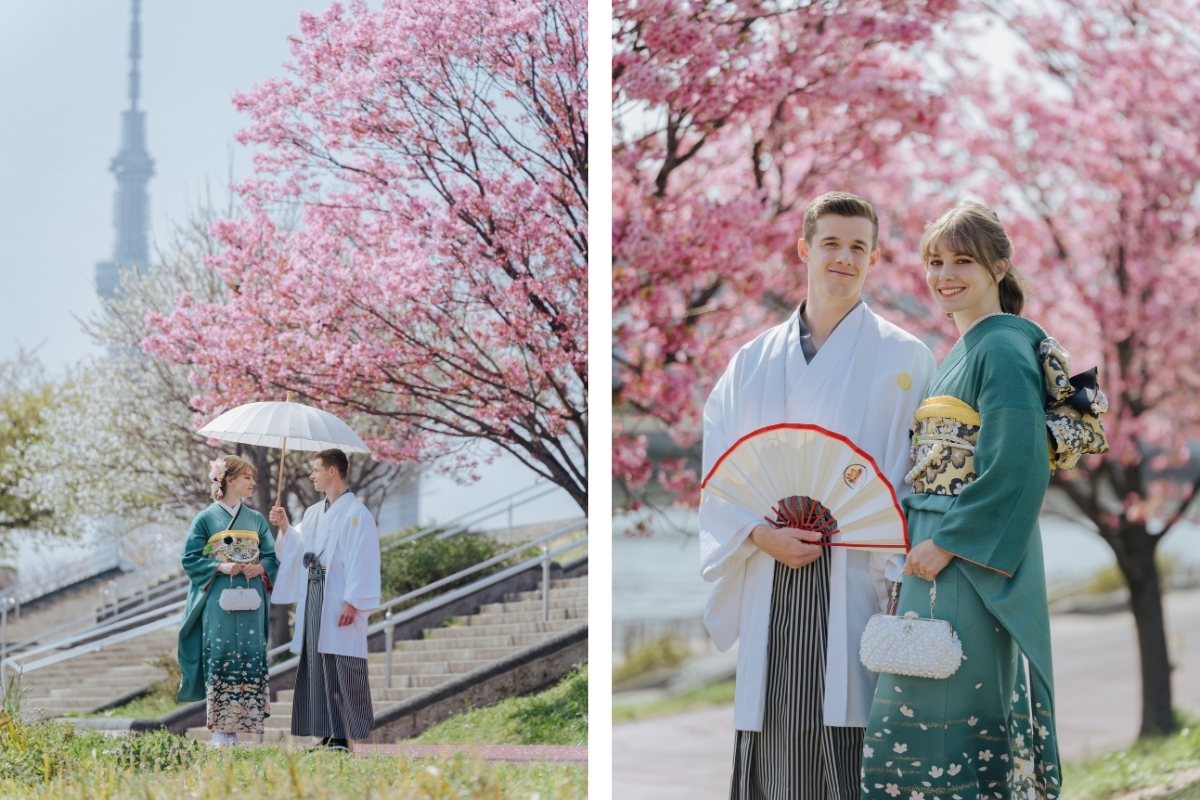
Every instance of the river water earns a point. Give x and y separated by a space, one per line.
656 579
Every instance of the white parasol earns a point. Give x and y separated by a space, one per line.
283 425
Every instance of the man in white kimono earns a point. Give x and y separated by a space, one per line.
799 609
329 566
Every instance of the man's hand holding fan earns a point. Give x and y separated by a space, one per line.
813 488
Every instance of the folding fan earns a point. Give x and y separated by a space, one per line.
803 476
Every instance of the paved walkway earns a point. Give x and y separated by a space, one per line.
513 753
1096 682
521 753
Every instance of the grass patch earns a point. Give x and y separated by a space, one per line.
556 716
54 760
160 696
148 707
1148 762
1187 793
667 650
711 695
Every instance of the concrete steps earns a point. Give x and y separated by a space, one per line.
470 642
85 682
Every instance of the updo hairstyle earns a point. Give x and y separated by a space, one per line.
234 466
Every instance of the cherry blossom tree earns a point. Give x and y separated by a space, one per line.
1089 149
414 246
730 117
27 397
1093 149
117 441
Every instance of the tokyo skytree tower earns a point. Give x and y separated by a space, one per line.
133 167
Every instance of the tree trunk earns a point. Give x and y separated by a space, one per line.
1145 600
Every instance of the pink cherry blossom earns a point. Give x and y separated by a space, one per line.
729 118
414 242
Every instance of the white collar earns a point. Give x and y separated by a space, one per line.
326 506
231 509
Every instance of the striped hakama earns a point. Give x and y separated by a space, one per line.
332 698
796 756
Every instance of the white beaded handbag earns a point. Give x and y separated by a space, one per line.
245 599
910 645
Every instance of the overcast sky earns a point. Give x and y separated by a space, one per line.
63 66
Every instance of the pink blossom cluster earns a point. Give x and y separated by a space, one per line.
730 117
1095 150
414 242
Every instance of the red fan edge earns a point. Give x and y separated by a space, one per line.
801 426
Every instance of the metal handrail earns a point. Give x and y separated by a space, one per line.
66 641
90 619
99 644
456 525
429 587
388 624
48 580
481 565
147 595
140 578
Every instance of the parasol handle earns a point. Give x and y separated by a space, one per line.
282 456
279 483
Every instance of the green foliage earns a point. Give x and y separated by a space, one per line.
710 695
556 716
1149 762
1110 579
25 396
423 561
33 752
665 651
15 692
56 761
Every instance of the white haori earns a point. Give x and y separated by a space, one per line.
346 540
865 383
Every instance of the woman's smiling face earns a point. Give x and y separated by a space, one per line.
958 282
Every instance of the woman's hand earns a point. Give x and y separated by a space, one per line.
229 568
926 560
253 570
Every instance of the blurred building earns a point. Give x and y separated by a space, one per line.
402 507
133 167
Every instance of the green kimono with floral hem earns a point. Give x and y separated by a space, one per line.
223 654
987 731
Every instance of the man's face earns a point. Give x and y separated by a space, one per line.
322 476
840 256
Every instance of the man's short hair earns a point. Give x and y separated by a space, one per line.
843 204
335 458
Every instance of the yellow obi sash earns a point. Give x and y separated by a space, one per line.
247 535
944 433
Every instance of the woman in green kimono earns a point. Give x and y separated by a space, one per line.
982 466
223 653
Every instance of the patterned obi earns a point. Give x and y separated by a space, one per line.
944 433
240 547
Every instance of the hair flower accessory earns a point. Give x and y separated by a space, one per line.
216 470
